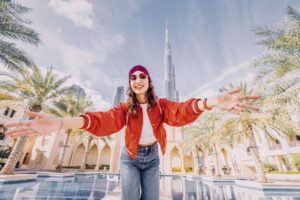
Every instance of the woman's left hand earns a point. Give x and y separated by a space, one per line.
232 101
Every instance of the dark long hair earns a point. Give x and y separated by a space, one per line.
132 102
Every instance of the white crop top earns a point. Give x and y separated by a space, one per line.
147 135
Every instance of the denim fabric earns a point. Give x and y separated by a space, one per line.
140 177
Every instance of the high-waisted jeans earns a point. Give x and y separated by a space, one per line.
140 177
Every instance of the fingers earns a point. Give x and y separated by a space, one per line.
33 134
17 130
249 97
239 108
15 124
33 114
23 133
234 91
249 107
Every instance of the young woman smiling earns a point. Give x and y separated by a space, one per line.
143 115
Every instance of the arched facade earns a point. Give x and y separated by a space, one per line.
92 155
77 156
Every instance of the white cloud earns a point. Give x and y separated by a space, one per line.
208 87
79 11
78 60
100 104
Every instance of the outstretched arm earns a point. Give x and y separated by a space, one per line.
230 101
97 123
182 113
42 124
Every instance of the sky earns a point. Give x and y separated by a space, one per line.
97 41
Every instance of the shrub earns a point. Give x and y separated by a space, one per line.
176 169
104 166
189 169
268 167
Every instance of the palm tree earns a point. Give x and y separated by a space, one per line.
69 105
281 65
246 122
283 43
271 117
205 134
13 27
37 89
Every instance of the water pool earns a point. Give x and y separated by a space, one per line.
99 186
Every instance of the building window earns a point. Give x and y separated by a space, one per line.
2 136
2 130
9 112
6 111
12 113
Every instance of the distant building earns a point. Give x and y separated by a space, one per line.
78 90
119 97
170 90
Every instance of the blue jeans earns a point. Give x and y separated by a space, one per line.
140 177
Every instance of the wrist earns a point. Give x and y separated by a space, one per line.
212 102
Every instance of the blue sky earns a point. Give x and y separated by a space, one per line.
97 42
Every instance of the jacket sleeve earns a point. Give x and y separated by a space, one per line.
179 113
105 123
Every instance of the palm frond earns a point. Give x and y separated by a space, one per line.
13 57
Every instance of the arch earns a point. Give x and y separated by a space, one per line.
105 156
92 156
175 160
201 159
188 163
39 158
78 155
224 154
56 160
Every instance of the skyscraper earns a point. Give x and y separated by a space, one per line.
170 91
78 90
119 96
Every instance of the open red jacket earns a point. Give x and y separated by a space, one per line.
170 112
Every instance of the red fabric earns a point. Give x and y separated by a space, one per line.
112 121
139 68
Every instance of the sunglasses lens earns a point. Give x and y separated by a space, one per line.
142 76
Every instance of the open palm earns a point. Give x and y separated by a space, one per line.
232 101
41 124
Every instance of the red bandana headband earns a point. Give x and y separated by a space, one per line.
139 68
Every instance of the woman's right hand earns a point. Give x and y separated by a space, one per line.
41 124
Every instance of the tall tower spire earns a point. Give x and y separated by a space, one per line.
166 33
170 91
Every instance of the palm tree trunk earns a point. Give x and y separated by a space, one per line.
82 167
14 156
17 151
260 174
218 171
63 151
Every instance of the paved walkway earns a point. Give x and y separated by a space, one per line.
116 195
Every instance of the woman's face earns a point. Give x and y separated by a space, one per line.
139 82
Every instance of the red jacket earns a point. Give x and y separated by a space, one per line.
112 121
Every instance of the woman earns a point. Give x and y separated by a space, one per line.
143 115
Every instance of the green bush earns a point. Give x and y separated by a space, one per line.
282 172
72 167
268 167
104 166
189 169
176 169
90 166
